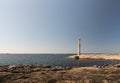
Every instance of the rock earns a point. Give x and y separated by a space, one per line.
38 65
59 67
67 67
117 65
46 66
88 81
36 69
99 66
5 69
42 73
26 65
105 81
54 69
63 72
1 70
105 64
47 69
115 82
12 66
15 71
111 65
25 76
52 81
95 66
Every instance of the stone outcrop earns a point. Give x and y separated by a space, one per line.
38 73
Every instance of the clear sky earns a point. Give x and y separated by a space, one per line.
53 26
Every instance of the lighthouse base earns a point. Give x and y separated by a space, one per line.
76 57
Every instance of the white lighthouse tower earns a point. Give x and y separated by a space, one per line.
77 56
79 48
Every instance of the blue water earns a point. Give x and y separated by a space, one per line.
49 59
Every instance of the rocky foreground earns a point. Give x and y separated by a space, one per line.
108 73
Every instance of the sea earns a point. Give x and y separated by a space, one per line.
49 59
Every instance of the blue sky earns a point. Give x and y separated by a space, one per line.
53 26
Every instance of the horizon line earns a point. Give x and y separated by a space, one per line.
61 53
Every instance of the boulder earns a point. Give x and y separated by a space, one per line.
12 66
36 69
117 65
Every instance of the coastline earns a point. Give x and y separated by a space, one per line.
97 56
38 73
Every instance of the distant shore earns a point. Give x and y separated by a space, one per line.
97 56
38 73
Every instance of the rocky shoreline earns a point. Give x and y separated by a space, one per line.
38 73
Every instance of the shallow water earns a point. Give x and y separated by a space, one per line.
49 59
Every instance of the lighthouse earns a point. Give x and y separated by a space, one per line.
79 47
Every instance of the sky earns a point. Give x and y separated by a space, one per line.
53 26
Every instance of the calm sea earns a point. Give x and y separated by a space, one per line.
49 59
